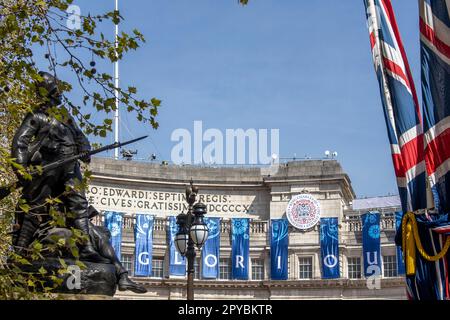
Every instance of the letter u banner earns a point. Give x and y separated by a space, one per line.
371 244
177 263
329 247
279 242
400 261
143 251
210 250
240 247
113 222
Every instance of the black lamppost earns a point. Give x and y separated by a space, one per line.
192 232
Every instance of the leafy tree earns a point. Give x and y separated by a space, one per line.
27 26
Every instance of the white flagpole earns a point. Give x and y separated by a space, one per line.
116 92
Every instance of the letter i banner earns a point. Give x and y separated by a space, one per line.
240 248
371 244
177 263
329 247
143 251
279 242
113 222
400 261
211 250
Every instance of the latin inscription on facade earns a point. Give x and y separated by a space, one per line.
132 200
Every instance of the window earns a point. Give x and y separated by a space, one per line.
127 262
257 269
389 214
224 269
390 266
157 267
305 267
197 268
354 267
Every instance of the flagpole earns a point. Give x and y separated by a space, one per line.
116 91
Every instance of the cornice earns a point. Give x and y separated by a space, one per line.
271 284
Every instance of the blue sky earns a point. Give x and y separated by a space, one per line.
303 67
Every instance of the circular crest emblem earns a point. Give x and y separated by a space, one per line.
303 211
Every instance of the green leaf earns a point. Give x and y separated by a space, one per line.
75 252
63 263
37 246
156 102
25 207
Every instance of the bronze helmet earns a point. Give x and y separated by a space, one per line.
50 84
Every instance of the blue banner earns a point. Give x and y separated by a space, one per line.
177 263
143 251
329 247
400 261
279 242
240 248
210 250
371 244
113 222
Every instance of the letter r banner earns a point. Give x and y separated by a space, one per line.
240 250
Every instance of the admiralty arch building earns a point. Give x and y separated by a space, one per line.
260 194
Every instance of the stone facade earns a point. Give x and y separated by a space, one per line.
257 193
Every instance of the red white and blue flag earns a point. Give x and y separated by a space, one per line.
417 155
400 104
435 60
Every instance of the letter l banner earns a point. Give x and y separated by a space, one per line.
177 263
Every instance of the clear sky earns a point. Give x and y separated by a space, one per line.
303 67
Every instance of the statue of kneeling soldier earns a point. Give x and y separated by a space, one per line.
41 140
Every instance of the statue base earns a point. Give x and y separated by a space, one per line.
95 279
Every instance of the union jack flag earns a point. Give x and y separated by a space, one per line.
400 104
416 155
435 60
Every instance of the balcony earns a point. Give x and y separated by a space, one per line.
353 223
160 224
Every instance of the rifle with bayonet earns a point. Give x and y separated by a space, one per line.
6 190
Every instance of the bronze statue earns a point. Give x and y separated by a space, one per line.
44 140
40 140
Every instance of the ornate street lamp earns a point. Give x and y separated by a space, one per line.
182 236
192 232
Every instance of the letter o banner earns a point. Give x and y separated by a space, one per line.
214 259
330 261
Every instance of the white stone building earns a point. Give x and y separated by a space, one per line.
260 194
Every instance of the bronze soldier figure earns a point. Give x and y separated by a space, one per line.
42 139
